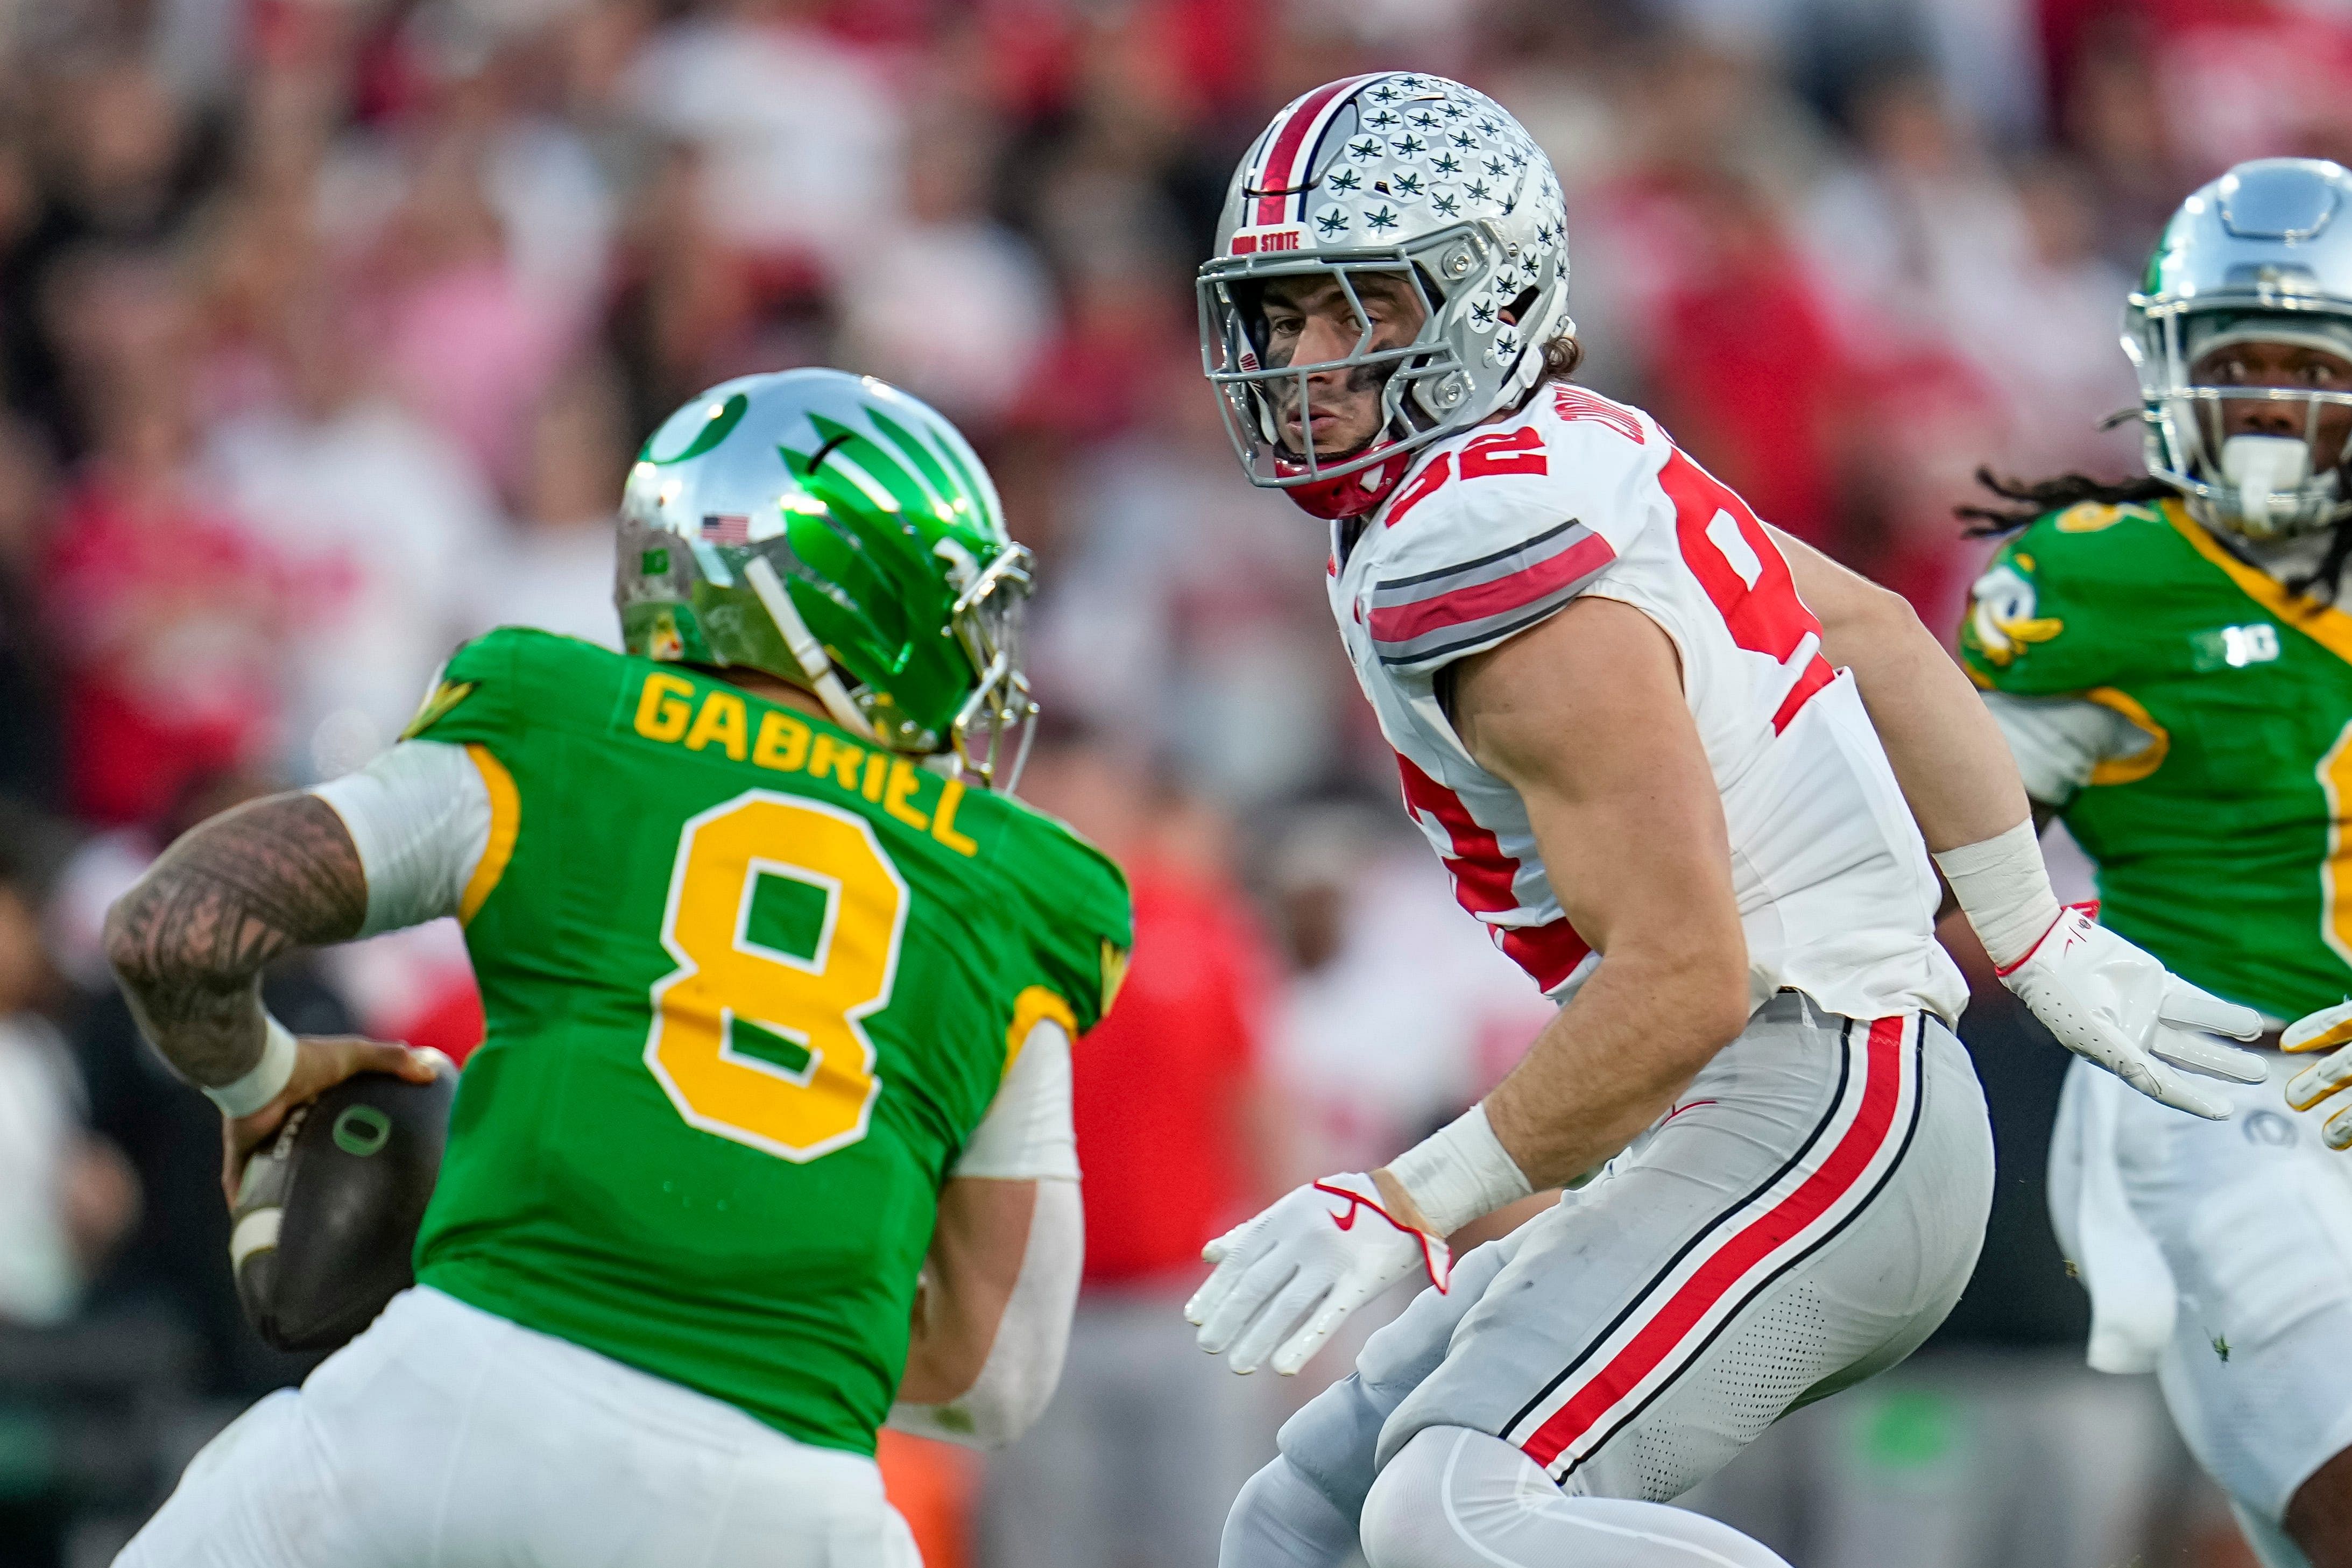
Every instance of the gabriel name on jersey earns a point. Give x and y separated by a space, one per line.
749 986
2214 812
1499 527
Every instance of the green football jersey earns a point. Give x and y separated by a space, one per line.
750 986
2220 843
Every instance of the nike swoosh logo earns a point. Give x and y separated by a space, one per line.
1355 1200
1348 1222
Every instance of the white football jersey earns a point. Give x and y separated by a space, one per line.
1499 527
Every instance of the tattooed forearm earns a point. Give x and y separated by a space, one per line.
189 941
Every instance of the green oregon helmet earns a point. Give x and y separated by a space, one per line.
835 532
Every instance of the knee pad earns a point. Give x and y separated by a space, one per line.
1405 1522
1330 1439
1455 1497
1281 1520
1334 1440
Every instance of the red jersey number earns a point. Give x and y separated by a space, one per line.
1517 451
1745 576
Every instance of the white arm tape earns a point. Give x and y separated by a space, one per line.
420 817
1024 1359
2004 889
1027 1132
1459 1173
265 1080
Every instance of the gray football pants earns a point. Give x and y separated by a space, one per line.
1803 1217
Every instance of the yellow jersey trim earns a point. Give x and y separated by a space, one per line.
2326 624
2140 764
2087 517
2335 773
506 821
1030 1008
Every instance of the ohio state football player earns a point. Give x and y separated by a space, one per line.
1681 766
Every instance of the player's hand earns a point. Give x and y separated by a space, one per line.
1284 1280
320 1062
2107 1000
2326 1030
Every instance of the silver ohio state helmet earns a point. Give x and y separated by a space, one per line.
1400 174
2262 255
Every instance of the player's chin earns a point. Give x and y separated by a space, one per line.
1335 440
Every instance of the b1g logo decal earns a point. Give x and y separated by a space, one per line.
2234 647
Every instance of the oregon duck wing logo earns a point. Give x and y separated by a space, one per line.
446 695
1114 974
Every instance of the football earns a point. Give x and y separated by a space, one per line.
327 1210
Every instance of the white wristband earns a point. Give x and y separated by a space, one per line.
268 1077
2004 889
1459 1173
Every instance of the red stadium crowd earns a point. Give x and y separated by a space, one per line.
327 328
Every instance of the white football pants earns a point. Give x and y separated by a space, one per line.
1457 1499
446 1435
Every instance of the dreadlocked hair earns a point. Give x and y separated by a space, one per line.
2320 585
2325 581
2041 495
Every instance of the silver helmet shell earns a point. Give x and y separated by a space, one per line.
1396 172
2264 251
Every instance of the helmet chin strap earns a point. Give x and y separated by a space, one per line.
807 652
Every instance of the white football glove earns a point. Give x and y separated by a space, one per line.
2320 1031
1284 1280
2107 1000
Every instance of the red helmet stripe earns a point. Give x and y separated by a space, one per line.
1278 173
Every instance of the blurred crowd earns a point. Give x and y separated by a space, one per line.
327 328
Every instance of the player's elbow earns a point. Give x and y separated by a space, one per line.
1011 1392
999 1411
1861 618
1892 617
1717 997
1700 982
127 939
1013 1417
992 1415
149 942
983 1372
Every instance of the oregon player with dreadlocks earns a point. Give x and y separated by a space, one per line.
2173 670
780 998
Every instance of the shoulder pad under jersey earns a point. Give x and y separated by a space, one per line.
2052 611
1501 528
1074 899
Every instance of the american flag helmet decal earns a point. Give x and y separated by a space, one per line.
726 528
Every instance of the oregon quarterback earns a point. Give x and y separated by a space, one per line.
769 1140
2174 673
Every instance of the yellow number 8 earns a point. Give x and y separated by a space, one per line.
816 1003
